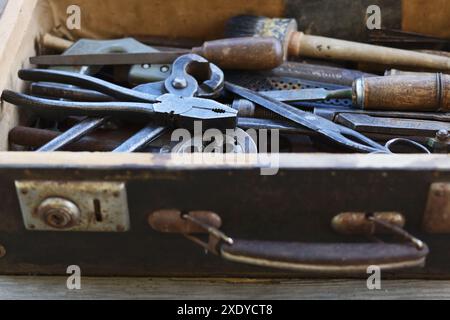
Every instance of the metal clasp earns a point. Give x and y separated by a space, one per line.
189 224
369 224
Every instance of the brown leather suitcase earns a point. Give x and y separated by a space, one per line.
314 217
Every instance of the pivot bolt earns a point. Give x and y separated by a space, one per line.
179 83
442 135
59 213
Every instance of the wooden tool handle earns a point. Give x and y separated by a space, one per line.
248 53
57 43
328 48
405 92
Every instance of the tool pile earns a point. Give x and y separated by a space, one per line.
126 96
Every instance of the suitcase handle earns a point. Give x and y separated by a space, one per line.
329 258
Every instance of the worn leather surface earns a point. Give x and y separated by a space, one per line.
326 253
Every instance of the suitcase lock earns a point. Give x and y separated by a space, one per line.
73 205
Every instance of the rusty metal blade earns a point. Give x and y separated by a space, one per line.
107 59
307 94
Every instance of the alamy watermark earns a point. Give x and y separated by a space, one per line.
235 145
73 21
373 17
374 280
74 280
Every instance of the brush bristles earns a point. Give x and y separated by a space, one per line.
244 26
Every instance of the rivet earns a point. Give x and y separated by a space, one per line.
179 83
442 135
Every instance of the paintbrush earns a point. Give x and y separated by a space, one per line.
297 43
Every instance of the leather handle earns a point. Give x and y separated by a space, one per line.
330 258
403 93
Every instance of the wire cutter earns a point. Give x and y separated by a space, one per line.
177 108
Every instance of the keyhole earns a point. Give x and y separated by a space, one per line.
98 210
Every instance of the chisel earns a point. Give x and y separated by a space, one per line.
401 93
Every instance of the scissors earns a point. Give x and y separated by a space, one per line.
341 135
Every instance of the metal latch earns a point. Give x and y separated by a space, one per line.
358 223
437 213
73 205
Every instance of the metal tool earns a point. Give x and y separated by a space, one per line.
170 108
141 138
210 87
331 113
316 72
137 73
62 91
180 83
308 94
419 143
260 82
252 53
36 138
73 134
86 46
237 141
326 128
386 123
421 93
392 126
167 109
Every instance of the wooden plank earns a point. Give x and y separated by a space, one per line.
2 6
161 288
21 23
101 160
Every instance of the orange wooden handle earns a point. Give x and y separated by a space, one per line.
403 92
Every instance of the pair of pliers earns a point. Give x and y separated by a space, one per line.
177 108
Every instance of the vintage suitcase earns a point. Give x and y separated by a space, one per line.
123 196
